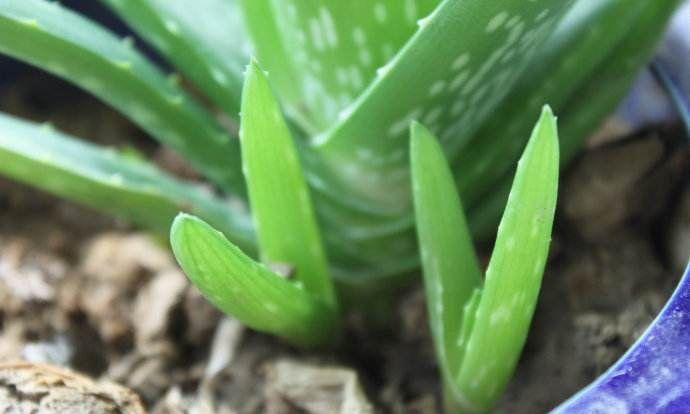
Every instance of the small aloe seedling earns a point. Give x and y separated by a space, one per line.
479 327
302 309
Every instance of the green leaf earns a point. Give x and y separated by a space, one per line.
453 72
262 25
281 205
61 42
451 270
325 52
610 82
513 277
589 38
109 181
586 108
247 290
207 41
489 159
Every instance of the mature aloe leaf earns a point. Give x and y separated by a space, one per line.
583 39
592 36
591 101
53 38
514 274
587 107
246 289
449 85
653 377
207 41
109 181
329 50
266 39
281 205
451 269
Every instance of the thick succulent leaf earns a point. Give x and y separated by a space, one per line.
591 37
451 269
206 40
452 73
246 289
653 377
109 181
59 41
501 142
281 205
267 43
586 108
514 274
325 52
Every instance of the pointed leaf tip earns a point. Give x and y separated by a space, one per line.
274 176
423 144
546 110
178 225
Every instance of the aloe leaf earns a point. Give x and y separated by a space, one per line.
490 157
331 48
591 37
498 145
451 270
654 375
449 85
281 205
582 40
587 107
61 42
246 289
109 181
208 42
262 25
514 274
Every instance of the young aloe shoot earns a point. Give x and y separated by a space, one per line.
479 327
301 307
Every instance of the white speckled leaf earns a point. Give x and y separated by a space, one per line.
513 277
206 40
333 47
450 76
451 269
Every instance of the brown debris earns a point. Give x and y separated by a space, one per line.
610 185
155 304
27 276
297 387
27 388
130 284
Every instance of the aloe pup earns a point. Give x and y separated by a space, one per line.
479 325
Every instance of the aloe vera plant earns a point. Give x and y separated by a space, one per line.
324 140
480 324
349 78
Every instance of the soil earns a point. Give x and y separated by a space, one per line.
107 304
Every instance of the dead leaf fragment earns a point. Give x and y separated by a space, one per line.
313 389
27 388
